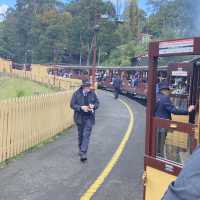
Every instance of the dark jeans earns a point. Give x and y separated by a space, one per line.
160 141
84 132
117 91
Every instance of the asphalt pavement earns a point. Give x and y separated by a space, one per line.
54 172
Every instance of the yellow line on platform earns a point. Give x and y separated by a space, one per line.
100 180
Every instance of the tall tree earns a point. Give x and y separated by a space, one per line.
37 27
133 14
177 18
8 35
87 13
51 31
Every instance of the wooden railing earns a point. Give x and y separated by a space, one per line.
27 121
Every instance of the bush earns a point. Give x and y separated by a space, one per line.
20 93
122 55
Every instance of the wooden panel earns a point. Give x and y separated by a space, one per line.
180 118
27 121
153 192
178 139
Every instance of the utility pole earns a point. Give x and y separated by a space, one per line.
54 65
94 47
80 58
99 56
25 59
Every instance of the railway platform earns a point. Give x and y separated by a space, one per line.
54 172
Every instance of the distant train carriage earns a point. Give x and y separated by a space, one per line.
134 78
26 67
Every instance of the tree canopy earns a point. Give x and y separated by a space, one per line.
49 31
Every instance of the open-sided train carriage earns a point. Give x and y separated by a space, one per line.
182 133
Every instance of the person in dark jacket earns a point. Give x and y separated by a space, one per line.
117 82
164 109
186 186
84 102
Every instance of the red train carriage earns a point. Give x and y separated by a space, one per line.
182 134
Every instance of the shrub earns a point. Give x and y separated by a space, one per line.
20 93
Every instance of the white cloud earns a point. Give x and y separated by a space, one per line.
3 9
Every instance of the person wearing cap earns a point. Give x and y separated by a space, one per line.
84 102
164 109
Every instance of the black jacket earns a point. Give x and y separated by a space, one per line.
164 108
117 82
78 100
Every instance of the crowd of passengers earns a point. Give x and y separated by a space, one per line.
133 80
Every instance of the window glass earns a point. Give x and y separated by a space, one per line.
173 145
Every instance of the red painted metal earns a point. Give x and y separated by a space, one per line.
153 51
152 123
160 164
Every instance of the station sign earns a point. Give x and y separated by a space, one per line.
176 46
179 73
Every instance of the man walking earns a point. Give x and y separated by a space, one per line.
84 102
117 82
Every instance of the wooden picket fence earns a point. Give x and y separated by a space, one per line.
28 121
39 74
53 81
5 66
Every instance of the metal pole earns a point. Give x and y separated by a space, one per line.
99 57
25 60
54 66
94 46
80 58
88 58
94 60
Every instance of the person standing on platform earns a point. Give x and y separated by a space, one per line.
117 83
84 102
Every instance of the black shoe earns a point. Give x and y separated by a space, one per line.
83 158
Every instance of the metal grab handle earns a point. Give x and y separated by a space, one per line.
144 178
173 126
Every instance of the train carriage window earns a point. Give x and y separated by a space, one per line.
173 145
172 141
180 84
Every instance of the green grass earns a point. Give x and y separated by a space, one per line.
14 87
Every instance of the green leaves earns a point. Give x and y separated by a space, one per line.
37 27
42 26
171 19
123 55
52 31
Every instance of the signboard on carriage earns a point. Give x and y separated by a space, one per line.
180 73
176 47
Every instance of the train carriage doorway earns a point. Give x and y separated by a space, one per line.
169 142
